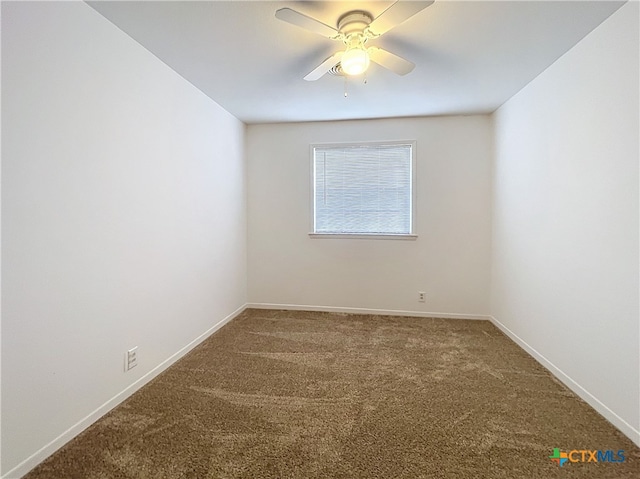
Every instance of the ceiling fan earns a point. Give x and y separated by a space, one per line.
355 28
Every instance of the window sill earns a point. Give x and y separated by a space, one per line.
361 236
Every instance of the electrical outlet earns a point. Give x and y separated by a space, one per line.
422 296
131 359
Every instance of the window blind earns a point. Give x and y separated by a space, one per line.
363 189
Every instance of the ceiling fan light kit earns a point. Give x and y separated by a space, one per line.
355 60
354 29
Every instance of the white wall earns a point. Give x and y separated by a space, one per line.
123 220
565 247
449 260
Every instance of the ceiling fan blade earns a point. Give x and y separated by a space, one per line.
300 20
390 61
396 14
324 67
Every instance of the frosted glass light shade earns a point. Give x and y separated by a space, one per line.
355 61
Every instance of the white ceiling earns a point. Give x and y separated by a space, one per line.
470 56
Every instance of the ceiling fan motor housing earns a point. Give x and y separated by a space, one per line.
354 22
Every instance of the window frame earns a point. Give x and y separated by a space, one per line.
412 235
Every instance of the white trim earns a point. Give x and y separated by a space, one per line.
36 458
361 236
381 312
624 427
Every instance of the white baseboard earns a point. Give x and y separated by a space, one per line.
32 461
383 312
624 427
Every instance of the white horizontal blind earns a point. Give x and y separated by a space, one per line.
363 189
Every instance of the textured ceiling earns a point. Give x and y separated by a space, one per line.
470 56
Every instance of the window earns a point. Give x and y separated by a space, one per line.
364 189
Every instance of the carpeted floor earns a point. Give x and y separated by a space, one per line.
278 394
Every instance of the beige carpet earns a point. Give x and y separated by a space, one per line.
315 395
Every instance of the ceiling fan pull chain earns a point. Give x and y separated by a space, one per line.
346 93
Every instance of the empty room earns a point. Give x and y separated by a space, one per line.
320 239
